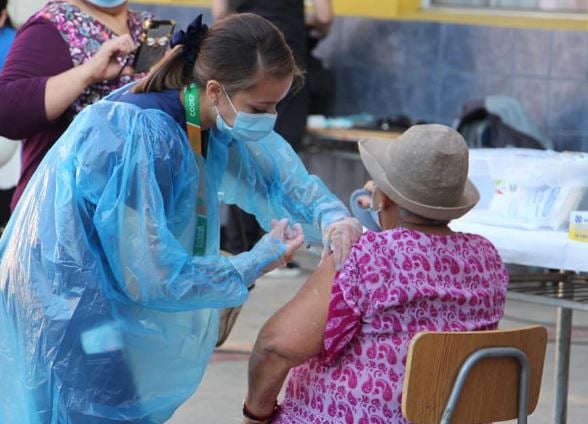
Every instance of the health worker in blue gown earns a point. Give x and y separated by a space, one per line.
110 271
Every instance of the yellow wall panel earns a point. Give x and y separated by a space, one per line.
411 10
382 9
196 3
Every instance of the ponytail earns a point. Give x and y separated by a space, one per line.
169 73
176 68
234 52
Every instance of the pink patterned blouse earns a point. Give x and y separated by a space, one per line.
395 284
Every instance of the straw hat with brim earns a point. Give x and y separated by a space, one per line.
424 171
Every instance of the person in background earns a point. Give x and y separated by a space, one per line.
8 148
110 271
344 337
66 56
241 230
320 81
7 31
290 18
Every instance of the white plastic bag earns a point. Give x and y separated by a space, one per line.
9 163
528 188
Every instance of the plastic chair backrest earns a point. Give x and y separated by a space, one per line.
491 390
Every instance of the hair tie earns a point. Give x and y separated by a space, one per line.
190 39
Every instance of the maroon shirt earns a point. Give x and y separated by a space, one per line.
54 40
37 53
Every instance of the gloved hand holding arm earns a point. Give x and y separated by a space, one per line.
339 237
291 237
277 247
268 179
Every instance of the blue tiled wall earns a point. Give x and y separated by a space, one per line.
428 70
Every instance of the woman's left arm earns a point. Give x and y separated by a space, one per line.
292 335
268 179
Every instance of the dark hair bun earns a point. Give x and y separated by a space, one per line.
190 39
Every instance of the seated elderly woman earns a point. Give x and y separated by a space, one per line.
344 337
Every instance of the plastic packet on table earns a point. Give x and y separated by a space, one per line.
528 188
346 121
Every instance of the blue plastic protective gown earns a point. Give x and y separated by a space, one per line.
105 314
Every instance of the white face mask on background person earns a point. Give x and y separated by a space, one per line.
106 3
247 126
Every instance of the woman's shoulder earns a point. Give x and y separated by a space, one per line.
124 129
125 120
119 112
167 101
59 16
398 240
371 240
480 242
43 19
401 234
53 11
59 12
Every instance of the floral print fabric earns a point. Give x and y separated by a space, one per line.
395 284
84 35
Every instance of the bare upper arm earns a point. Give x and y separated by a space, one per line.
296 331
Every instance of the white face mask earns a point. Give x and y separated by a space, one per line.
247 126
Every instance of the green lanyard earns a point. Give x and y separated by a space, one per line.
192 108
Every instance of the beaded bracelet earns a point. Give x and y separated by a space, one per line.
247 413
